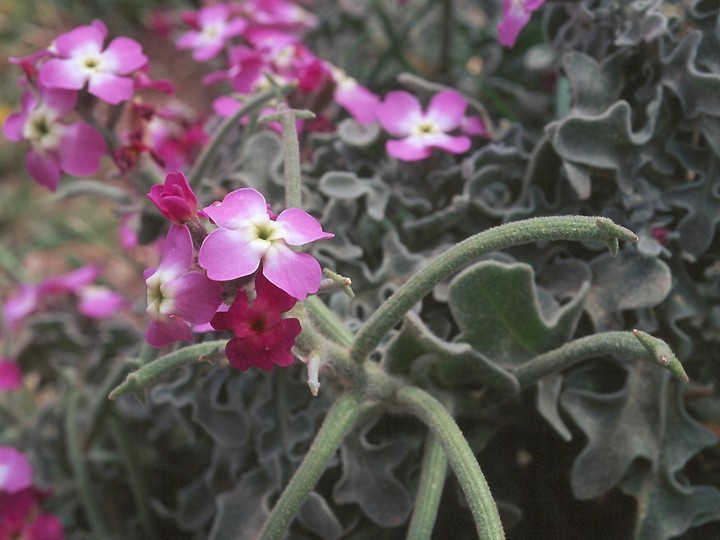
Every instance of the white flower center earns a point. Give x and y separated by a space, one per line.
212 32
41 129
424 128
91 63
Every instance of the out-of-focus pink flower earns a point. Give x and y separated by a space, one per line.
245 71
128 230
214 31
55 147
178 297
264 339
402 116
360 102
10 376
98 302
15 470
20 514
473 125
19 306
175 198
81 59
283 14
247 235
516 14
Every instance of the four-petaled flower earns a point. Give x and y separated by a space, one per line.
81 59
176 296
402 116
264 338
248 235
214 30
56 147
516 14
175 198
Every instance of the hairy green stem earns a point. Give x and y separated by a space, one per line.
635 344
155 370
88 497
430 489
462 460
134 475
327 321
203 160
339 420
510 234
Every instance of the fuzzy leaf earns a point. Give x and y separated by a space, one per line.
497 308
628 281
594 87
671 507
344 185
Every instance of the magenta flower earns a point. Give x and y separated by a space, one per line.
55 147
81 59
402 116
214 31
15 470
98 302
10 375
264 338
175 198
360 102
516 14
177 297
248 235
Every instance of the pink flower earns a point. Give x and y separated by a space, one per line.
175 198
264 338
402 116
10 375
214 31
177 297
98 302
15 470
81 60
20 514
55 147
19 306
360 102
247 235
516 14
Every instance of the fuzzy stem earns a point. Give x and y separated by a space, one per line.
327 321
510 234
203 160
339 420
467 470
88 497
155 370
627 344
430 489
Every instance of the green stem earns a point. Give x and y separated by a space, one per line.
134 475
88 497
510 234
339 420
327 321
291 161
155 370
100 403
203 160
635 344
430 489
467 470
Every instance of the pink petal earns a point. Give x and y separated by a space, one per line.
299 227
265 350
10 375
234 28
111 88
43 168
509 27
44 527
407 150
195 298
213 14
83 39
98 302
15 470
81 149
207 50
126 54
454 145
189 40
60 100
238 208
162 333
229 254
446 110
270 297
22 304
399 113
61 73
14 124
360 102
71 282
177 255
226 106
298 274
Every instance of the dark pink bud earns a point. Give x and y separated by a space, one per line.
175 199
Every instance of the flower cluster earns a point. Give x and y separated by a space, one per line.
20 501
250 241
